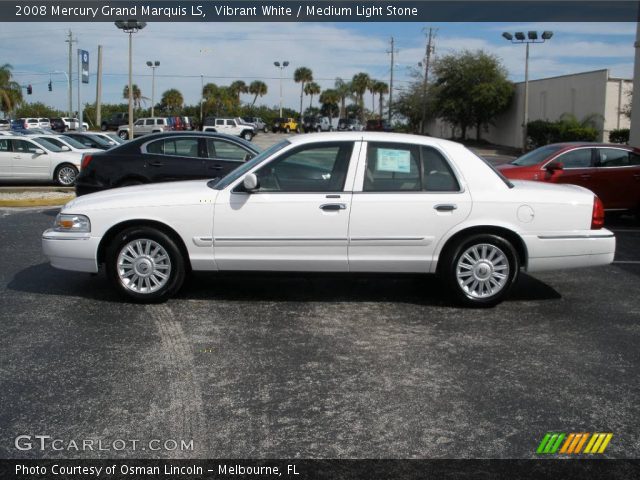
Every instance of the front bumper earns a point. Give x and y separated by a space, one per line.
71 251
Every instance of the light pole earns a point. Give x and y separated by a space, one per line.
68 82
201 99
153 66
281 67
531 37
130 26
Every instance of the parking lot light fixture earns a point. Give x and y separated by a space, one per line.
153 66
532 37
281 66
130 26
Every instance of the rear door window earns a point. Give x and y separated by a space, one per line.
613 157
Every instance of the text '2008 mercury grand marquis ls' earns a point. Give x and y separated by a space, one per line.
338 202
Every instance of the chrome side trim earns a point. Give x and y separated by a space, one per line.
569 237
385 239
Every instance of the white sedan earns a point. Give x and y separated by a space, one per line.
28 158
338 202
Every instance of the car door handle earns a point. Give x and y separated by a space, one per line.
215 167
446 207
331 207
156 164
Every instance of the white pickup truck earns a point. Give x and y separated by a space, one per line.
73 123
230 126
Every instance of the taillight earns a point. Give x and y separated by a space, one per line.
597 216
86 160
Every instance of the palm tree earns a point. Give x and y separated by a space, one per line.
344 90
10 91
330 97
138 99
172 100
239 87
302 75
257 89
359 84
381 89
311 89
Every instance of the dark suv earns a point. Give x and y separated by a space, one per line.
378 125
58 125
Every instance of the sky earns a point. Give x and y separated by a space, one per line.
224 52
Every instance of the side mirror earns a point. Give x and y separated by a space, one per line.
251 183
554 167
64 148
38 151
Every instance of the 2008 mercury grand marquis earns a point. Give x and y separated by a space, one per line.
340 202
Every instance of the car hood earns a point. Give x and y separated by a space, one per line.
157 194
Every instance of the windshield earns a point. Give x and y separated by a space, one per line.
73 142
240 171
46 144
536 156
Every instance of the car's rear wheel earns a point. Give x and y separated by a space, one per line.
265 129
287 130
65 175
124 135
247 135
480 270
145 265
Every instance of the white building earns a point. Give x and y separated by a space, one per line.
580 94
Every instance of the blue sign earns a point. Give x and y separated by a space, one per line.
84 57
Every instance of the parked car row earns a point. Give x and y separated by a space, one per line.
36 154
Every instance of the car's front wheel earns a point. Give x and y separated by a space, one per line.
123 134
480 270
145 265
247 135
66 175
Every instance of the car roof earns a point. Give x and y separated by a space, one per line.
370 137
152 136
588 144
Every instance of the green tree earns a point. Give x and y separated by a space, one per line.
359 85
219 101
238 87
344 90
257 89
381 88
471 89
329 100
10 90
171 101
138 98
311 89
37 109
302 75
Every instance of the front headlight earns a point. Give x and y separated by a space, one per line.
72 223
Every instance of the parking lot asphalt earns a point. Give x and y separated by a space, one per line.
313 366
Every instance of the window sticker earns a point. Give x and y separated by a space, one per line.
398 161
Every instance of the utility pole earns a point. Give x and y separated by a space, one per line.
430 49
70 41
99 89
392 51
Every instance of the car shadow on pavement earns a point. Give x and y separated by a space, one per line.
415 289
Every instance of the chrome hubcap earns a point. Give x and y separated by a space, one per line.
482 270
67 175
143 266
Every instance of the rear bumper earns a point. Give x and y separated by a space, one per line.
71 251
571 250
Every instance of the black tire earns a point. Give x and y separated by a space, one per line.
488 285
136 275
124 135
247 135
265 129
287 130
65 175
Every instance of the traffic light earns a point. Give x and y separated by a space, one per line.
50 86
29 89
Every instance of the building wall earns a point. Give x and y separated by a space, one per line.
581 95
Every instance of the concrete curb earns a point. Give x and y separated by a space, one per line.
36 202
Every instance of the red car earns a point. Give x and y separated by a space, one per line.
611 171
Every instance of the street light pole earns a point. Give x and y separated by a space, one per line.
532 37
130 26
281 67
153 66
